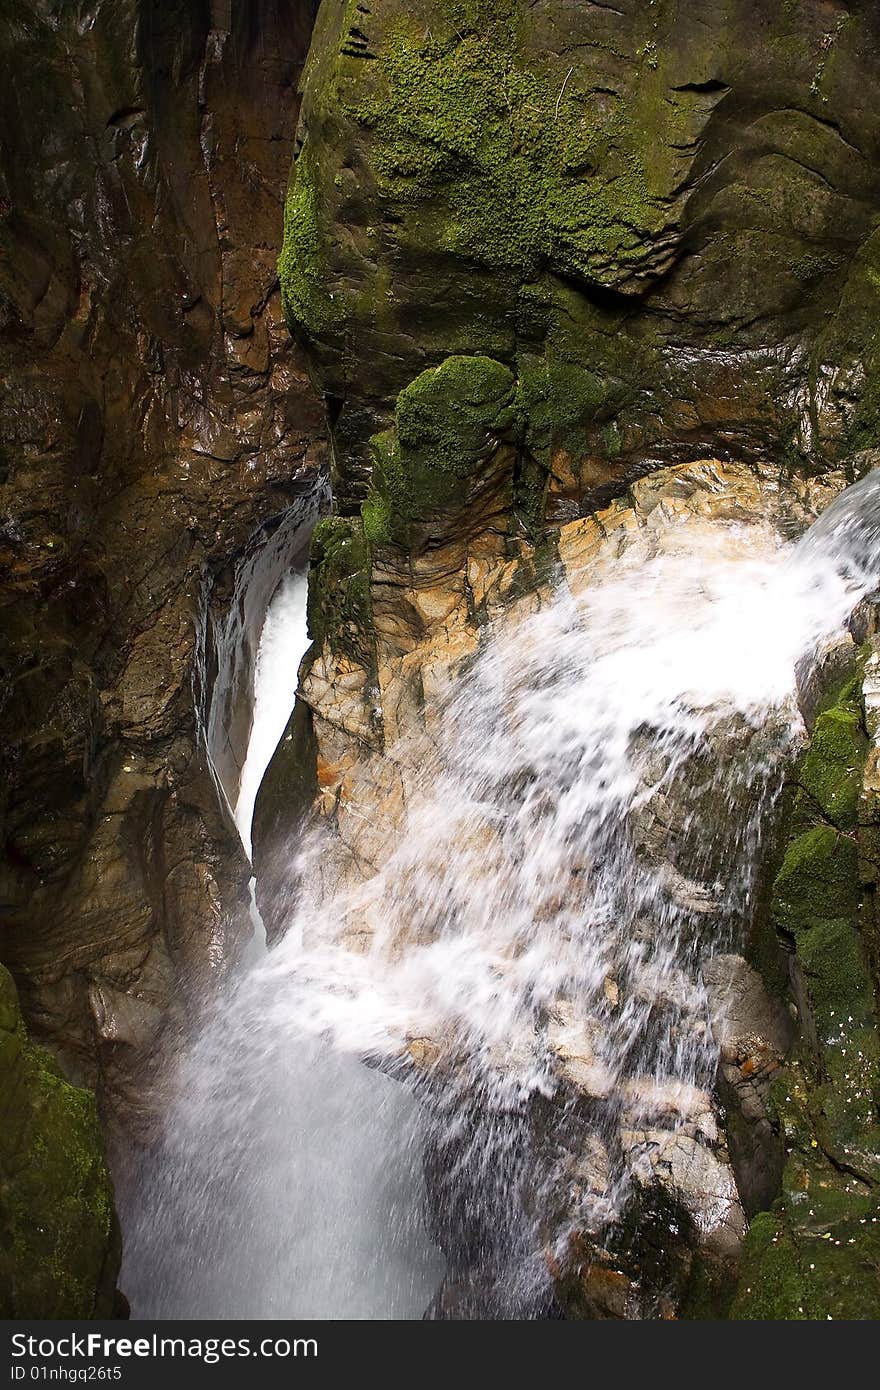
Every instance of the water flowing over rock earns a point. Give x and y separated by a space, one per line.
528 905
561 997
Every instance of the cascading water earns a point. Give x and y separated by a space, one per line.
282 643
581 836
250 1231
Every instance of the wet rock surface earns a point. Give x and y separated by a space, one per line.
154 416
662 223
814 1253
569 279
396 629
754 1032
59 1236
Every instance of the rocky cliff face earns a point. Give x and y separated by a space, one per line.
660 217
532 254
535 253
154 416
815 1253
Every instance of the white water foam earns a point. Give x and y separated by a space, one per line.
505 891
587 827
282 643
289 1182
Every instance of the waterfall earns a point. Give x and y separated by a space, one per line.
582 832
233 1216
282 643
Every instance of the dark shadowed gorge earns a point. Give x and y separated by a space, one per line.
544 336
155 418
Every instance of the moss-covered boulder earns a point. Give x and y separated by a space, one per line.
825 1270
59 1237
665 229
339 588
432 462
816 1254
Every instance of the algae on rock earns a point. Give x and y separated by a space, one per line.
59 1238
448 422
817 1252
665 230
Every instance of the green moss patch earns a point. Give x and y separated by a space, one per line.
447 422
507 163
816 1255
302 275
817 880
339 609
59 1252
831 776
